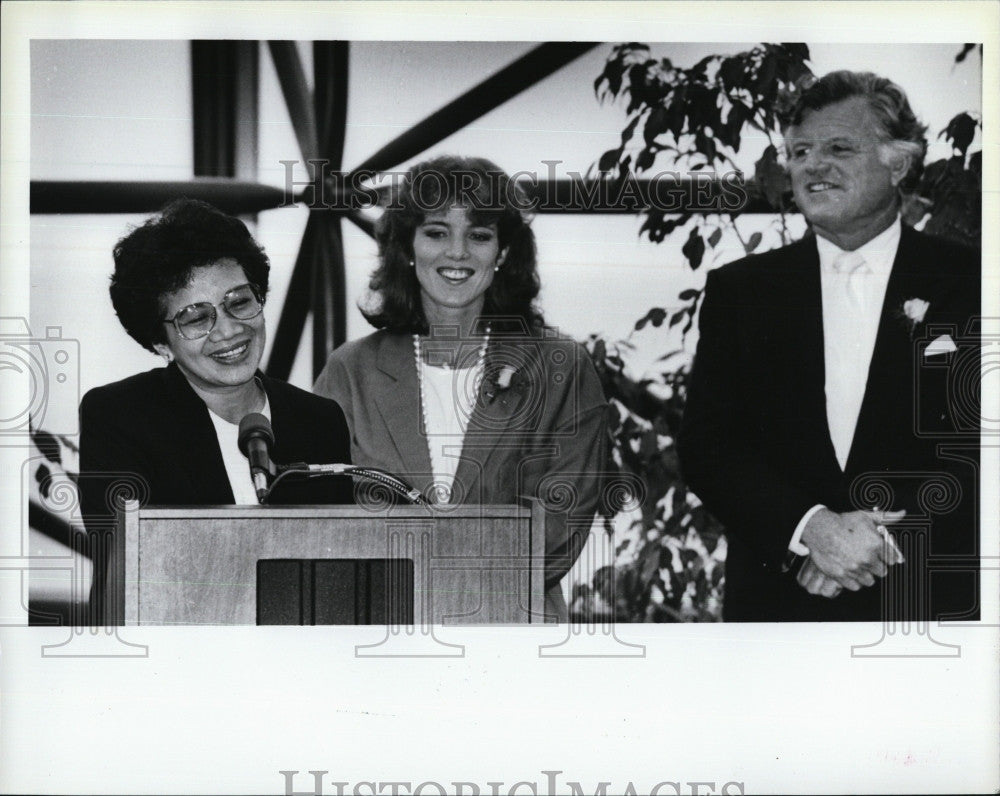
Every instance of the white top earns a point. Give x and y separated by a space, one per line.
449 395
237 465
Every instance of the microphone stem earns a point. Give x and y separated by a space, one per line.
260 485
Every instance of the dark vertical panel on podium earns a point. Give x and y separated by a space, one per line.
336 591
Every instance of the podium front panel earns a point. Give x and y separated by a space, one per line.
198 565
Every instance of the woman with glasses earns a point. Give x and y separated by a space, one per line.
190 285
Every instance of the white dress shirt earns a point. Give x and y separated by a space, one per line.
852 308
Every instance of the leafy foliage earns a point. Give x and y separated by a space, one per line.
669 565
951 188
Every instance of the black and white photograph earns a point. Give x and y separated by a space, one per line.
499 398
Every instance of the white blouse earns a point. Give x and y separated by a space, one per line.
237 465
448 396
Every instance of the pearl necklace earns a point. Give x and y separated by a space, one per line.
479 370
419 359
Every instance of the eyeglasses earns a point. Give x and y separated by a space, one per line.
197 320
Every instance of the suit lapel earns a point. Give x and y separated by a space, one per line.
889 388
195 438
398 401
495 416
802 371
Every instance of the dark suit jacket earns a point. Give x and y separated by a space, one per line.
150 435
756 448
546 435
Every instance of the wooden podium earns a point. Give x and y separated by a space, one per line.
245 565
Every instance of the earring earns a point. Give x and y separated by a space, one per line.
413 264
496 268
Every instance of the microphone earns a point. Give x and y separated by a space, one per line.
255 440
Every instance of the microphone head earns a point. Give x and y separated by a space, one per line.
254 426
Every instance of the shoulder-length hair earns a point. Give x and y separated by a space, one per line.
491 197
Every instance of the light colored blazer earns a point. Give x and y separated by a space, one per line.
544 436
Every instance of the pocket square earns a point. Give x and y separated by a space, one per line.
940 345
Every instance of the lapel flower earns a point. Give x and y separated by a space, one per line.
504 377
914 310
499 383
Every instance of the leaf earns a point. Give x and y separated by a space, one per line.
766 74
731 73
705 144
966 49
47 445
644 160
42 476
690 293
677 317
647 444
609 160
796 50
676 113
976 165
694 249
656 124
960 132
771 178
630 130
715 237
655 315
754 241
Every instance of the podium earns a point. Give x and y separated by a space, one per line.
245 565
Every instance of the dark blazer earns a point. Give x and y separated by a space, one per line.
546 435
155 433
755 445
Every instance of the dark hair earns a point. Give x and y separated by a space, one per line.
491 198
159 257
900 125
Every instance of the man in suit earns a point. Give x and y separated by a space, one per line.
822 404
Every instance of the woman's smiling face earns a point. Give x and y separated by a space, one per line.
229 355
455 260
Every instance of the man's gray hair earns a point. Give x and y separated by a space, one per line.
904 133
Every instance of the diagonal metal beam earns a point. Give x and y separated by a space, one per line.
296 307
523 73
298 98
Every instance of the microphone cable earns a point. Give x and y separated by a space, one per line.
391 482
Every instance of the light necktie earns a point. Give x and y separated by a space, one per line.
846 368
851 269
